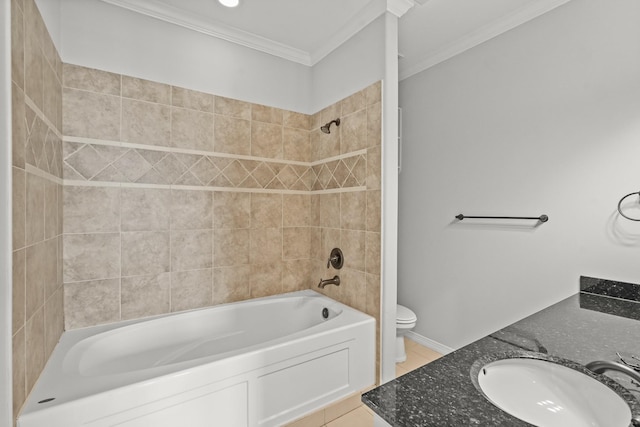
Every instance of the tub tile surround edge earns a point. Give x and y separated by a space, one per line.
225 263
37 197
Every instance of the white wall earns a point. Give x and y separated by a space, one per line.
354 65
6 377
51 11
103 36
544 119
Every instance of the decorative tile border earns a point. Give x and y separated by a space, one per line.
127 163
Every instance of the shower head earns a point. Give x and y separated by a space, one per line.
327 128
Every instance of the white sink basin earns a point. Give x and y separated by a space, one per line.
547 394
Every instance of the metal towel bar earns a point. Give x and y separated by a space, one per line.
541 218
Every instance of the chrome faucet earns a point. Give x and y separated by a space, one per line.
599 366
334 281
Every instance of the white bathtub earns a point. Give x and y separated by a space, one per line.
261 362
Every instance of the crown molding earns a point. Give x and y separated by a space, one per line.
172 15
483 34
399 7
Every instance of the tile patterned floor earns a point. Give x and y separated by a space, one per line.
362 416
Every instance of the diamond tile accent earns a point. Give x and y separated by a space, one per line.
235 172
132 165
120 164
87 162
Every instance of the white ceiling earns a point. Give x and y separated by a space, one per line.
305 31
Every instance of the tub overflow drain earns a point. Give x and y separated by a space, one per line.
325 313
47 400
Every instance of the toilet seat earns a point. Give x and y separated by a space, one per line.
404 315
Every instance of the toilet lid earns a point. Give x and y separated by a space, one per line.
405 315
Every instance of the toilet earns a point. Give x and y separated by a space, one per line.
405 321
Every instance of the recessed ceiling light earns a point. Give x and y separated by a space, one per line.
229 3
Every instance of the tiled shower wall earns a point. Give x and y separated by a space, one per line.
176 199
37 197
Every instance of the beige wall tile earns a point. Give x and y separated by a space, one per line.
52 90
353 103
145 90
50 267
91 256
145 252
296 144
330 240
373 296
191 129
353 130
144 296
51 209
266 279
18 130
19 289
17 44
91 303
191 210
231 284
145 209
191 99
34 64
262 113
231 210
34 338
35 278
91 209
91 115
355 288
146 122
329 210
266 245
191 289
317 250
353 247
374 168
296 210
266 210
266 140
315 210
295 120
373 210
374 93
19 208
296 275
231 247
373 253
296 243
18 348
325 145
374 125
191 249
53 321
232 135
232 108
34 228
92 80
353 208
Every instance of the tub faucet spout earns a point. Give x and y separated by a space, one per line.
334 281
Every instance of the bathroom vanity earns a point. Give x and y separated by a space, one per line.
601 320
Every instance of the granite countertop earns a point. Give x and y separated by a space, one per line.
594 324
